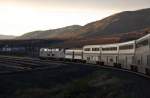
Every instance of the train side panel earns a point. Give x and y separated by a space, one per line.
126 54
92 53
142 54
109 54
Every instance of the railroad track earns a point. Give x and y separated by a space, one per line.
22 64
19 64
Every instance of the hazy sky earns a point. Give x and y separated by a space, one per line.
20 16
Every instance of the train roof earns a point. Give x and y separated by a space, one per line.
126 43
110 45
102 45
91 46
144 37
74 49
117 44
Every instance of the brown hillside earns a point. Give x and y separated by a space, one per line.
116 24
124 26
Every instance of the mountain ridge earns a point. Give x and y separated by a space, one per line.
119 23
53 33
3 37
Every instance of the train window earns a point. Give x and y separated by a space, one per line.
40 50
95 49
69 53
45 50
49 49
87 49
57 50
126 47
142 43
109 49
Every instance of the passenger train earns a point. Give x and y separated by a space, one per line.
132 55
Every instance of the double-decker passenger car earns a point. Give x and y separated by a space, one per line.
109 54
74 54
92 53
142 55
126 54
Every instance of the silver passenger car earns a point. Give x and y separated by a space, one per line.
74 54
52 53
126 54
142 55
92 53
109 54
